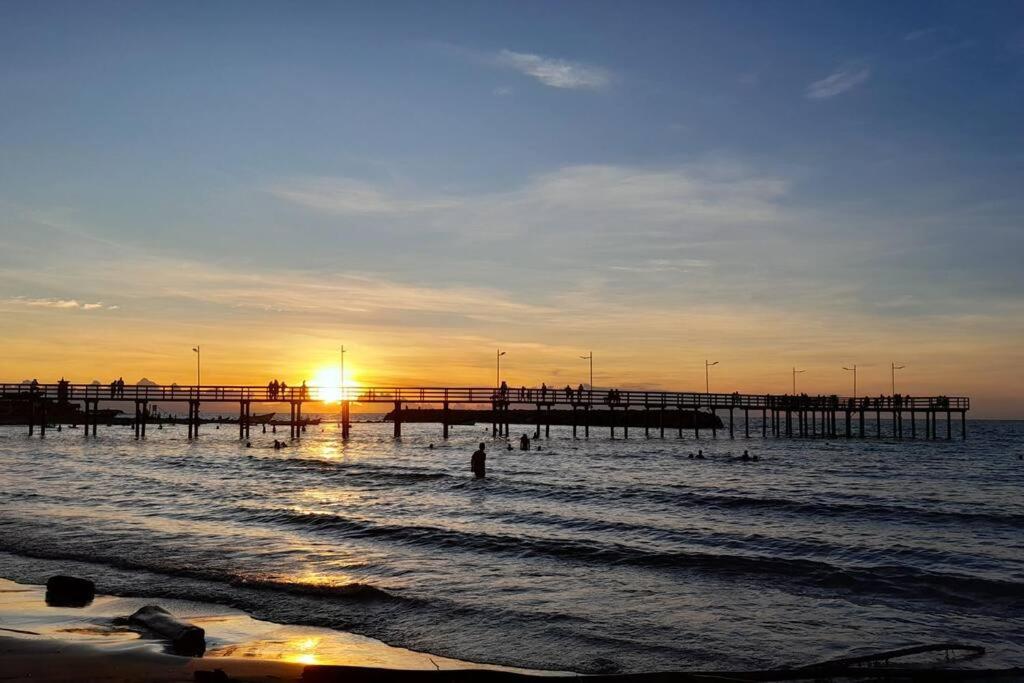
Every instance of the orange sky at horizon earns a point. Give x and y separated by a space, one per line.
632 349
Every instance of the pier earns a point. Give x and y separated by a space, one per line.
781 415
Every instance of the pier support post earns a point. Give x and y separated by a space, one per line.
494 419
848 430
547 424
963 424
647 421
144 418
586 421
299 427
696 423
537 419
85 418
625 422
398 419
862 422
445 420
878 423
661 422
346 419
913 424
949 424
42 419
732 434
746 422
714 423
764 423
574 420
241 420
611 420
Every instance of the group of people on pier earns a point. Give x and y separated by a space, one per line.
277 389
544 393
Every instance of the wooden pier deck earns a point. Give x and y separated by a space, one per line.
781 415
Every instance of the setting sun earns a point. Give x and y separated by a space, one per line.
327 384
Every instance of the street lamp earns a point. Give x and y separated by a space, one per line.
497 374
590 357
342 380
198 356
854 371
707 378
894 369
795 372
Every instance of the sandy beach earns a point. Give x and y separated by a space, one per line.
40 642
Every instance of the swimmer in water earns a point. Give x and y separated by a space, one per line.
745 456
700 455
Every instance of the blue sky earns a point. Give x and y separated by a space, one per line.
695 173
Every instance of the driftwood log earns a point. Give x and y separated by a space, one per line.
185 639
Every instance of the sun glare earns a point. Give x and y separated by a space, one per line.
327 386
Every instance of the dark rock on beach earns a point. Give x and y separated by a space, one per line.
69 591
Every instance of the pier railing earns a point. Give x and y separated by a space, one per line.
611 398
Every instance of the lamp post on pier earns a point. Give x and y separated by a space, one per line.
341 379
498 353
198 375
795 372
854 371
590 357
707 379
894 368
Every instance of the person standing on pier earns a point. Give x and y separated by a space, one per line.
478 463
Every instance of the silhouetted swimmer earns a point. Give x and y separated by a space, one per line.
508 447
700 455
478 463
524 442
745 456
757 458
248 444
539 448
691 456
431 446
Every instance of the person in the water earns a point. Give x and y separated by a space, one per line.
745 456
524 442
478 463
700 455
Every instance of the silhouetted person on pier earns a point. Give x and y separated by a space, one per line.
543 391
478 463
522 393
503 389
524 442
113 388
284 389
120 387
303 391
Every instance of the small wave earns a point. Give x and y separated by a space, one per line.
351 591
887 579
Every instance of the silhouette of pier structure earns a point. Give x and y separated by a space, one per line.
781 415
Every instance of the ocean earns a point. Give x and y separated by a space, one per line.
591 555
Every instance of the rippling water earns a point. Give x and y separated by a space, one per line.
591 555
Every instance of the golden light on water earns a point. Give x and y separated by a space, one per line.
302 651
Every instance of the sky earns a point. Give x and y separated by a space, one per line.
771 186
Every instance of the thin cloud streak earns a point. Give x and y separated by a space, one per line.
58 304
556 73
841 81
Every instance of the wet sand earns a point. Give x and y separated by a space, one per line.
43 643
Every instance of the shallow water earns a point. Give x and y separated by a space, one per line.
591 555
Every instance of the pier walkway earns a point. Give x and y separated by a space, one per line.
782 415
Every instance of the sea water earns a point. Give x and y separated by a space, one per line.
587 555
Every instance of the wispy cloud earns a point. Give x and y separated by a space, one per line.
921 33
348 196
556 73
846 78
60 304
